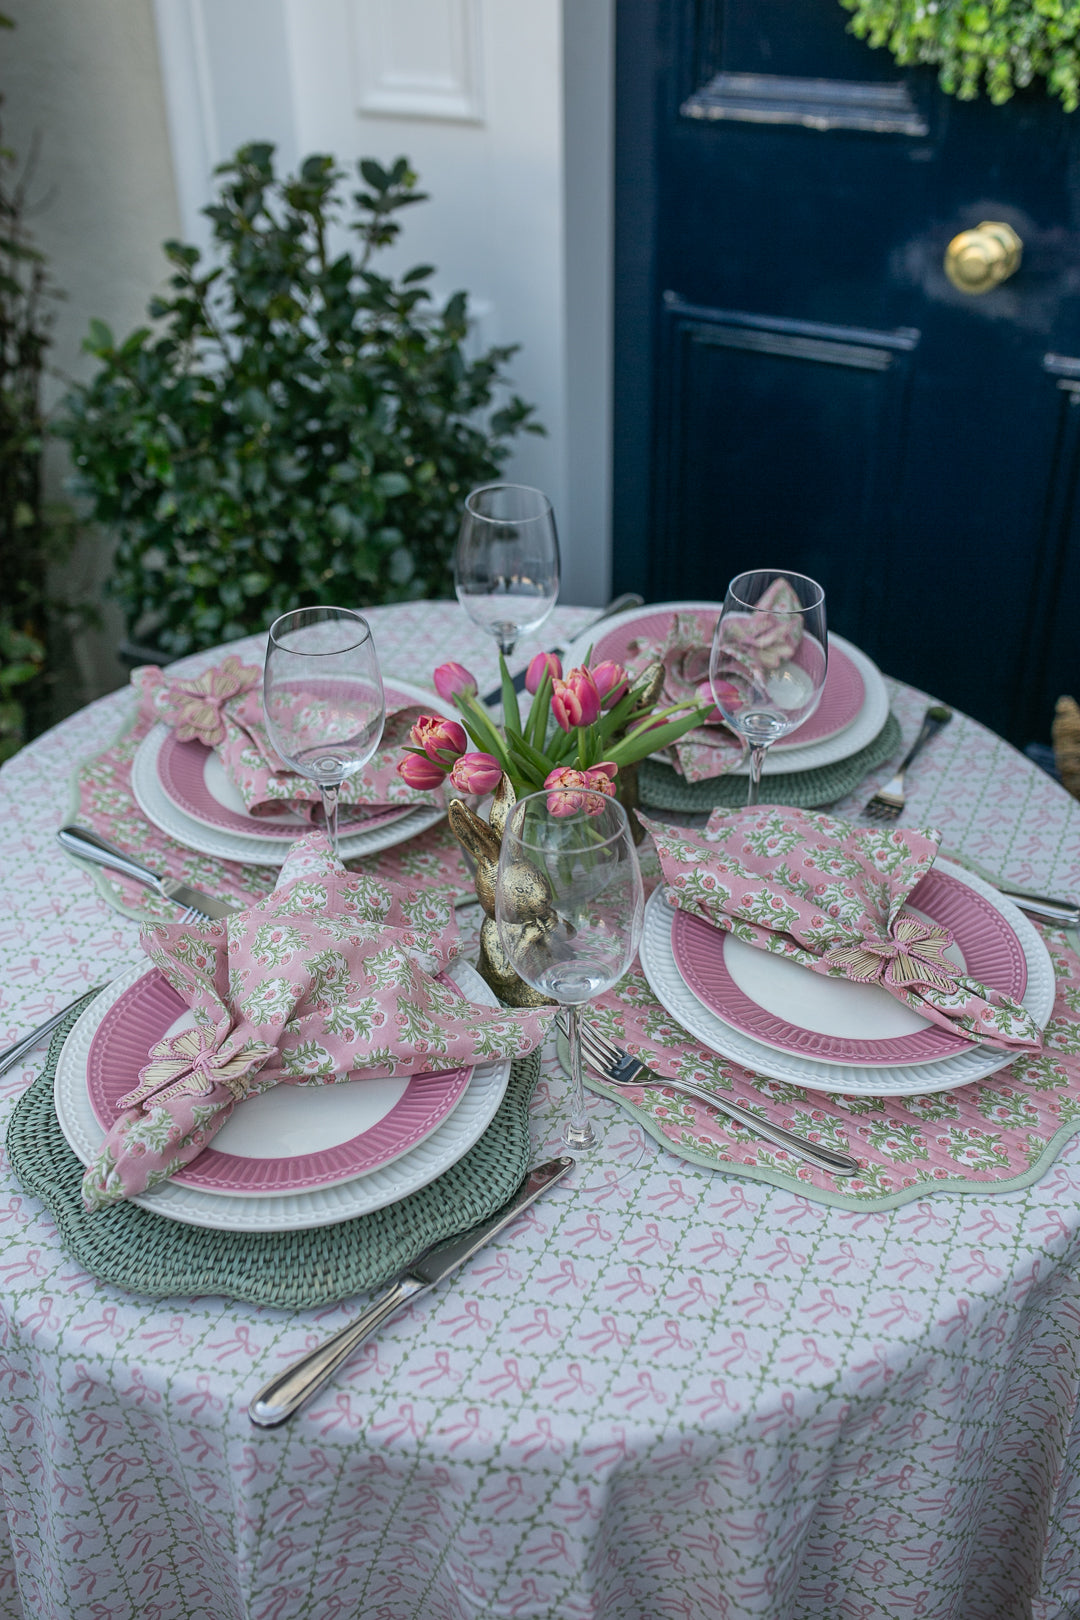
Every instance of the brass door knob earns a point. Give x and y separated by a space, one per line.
976 261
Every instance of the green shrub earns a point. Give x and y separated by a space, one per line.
296 428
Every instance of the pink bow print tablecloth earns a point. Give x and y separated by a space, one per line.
687 1395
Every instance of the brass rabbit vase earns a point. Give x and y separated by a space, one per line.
483 840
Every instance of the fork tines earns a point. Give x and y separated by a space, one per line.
606 1059
886 803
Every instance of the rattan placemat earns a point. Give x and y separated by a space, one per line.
148 1254
662 788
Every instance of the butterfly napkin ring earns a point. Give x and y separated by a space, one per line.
187 1065
914 955
194 708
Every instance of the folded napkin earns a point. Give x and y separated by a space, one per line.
830 896
331 974
756 644
222 708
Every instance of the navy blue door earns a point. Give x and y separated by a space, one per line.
798 382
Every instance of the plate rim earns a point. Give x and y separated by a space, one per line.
958 1043
857 734
941 1074
255 850
286 1211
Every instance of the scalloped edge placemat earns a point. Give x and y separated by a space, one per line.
145 1253
662 788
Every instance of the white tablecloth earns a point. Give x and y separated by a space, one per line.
691 1396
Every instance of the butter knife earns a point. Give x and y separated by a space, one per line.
288 1391
80 841
1064 912
621 604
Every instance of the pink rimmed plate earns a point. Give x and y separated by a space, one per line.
287 1140
784 1006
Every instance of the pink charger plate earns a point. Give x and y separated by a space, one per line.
142 1015
841 701
991 951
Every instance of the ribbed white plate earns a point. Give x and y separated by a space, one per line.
872 1080
284 1212
257 850
779 761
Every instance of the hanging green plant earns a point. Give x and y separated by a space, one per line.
999 45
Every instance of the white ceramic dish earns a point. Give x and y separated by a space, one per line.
870 1080
258 850
779 761
283 1212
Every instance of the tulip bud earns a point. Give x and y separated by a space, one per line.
601 778
612 682
420 772
544 661
442 740
476 773
562 799
725 692
575 701
454 680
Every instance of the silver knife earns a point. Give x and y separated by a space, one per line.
88 846
621 604
288 1391
1037 905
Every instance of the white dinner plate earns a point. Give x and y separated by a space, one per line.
283 1212
779 761
975 1062
258 849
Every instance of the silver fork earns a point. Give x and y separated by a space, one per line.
620 1069
889 800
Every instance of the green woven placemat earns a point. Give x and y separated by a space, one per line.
149 1254
662 788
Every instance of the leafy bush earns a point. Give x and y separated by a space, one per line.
1006 43
297 428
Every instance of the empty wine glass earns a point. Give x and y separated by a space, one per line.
323 698
506 566
769 659
568 907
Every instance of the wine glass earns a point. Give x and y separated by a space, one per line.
569 905
323 698
769 659
506 566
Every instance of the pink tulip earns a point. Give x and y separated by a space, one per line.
476 773
568 789
575 701
442 740
454 680
420 772
601 778
612 682
725 692
535 672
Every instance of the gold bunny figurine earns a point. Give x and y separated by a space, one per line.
531 896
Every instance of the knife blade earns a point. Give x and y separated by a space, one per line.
288 1391
621 604
87 846
1038 905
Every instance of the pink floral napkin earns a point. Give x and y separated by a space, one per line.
222 708
333 976
829 896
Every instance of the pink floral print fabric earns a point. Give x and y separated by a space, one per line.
830 896
333 975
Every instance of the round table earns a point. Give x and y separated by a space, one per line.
688 1395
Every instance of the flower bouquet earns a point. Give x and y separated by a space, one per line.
579 731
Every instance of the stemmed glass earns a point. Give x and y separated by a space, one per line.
323 698
506 566
769 659
569 905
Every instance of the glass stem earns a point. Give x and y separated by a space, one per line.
578 1132
757 760
329 791
506 643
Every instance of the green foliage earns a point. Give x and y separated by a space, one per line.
1000 44
296 428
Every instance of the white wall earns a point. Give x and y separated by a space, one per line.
80 83
473 92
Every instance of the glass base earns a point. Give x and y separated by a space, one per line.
579 1136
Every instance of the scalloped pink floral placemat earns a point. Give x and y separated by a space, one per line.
101 798
991 1136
